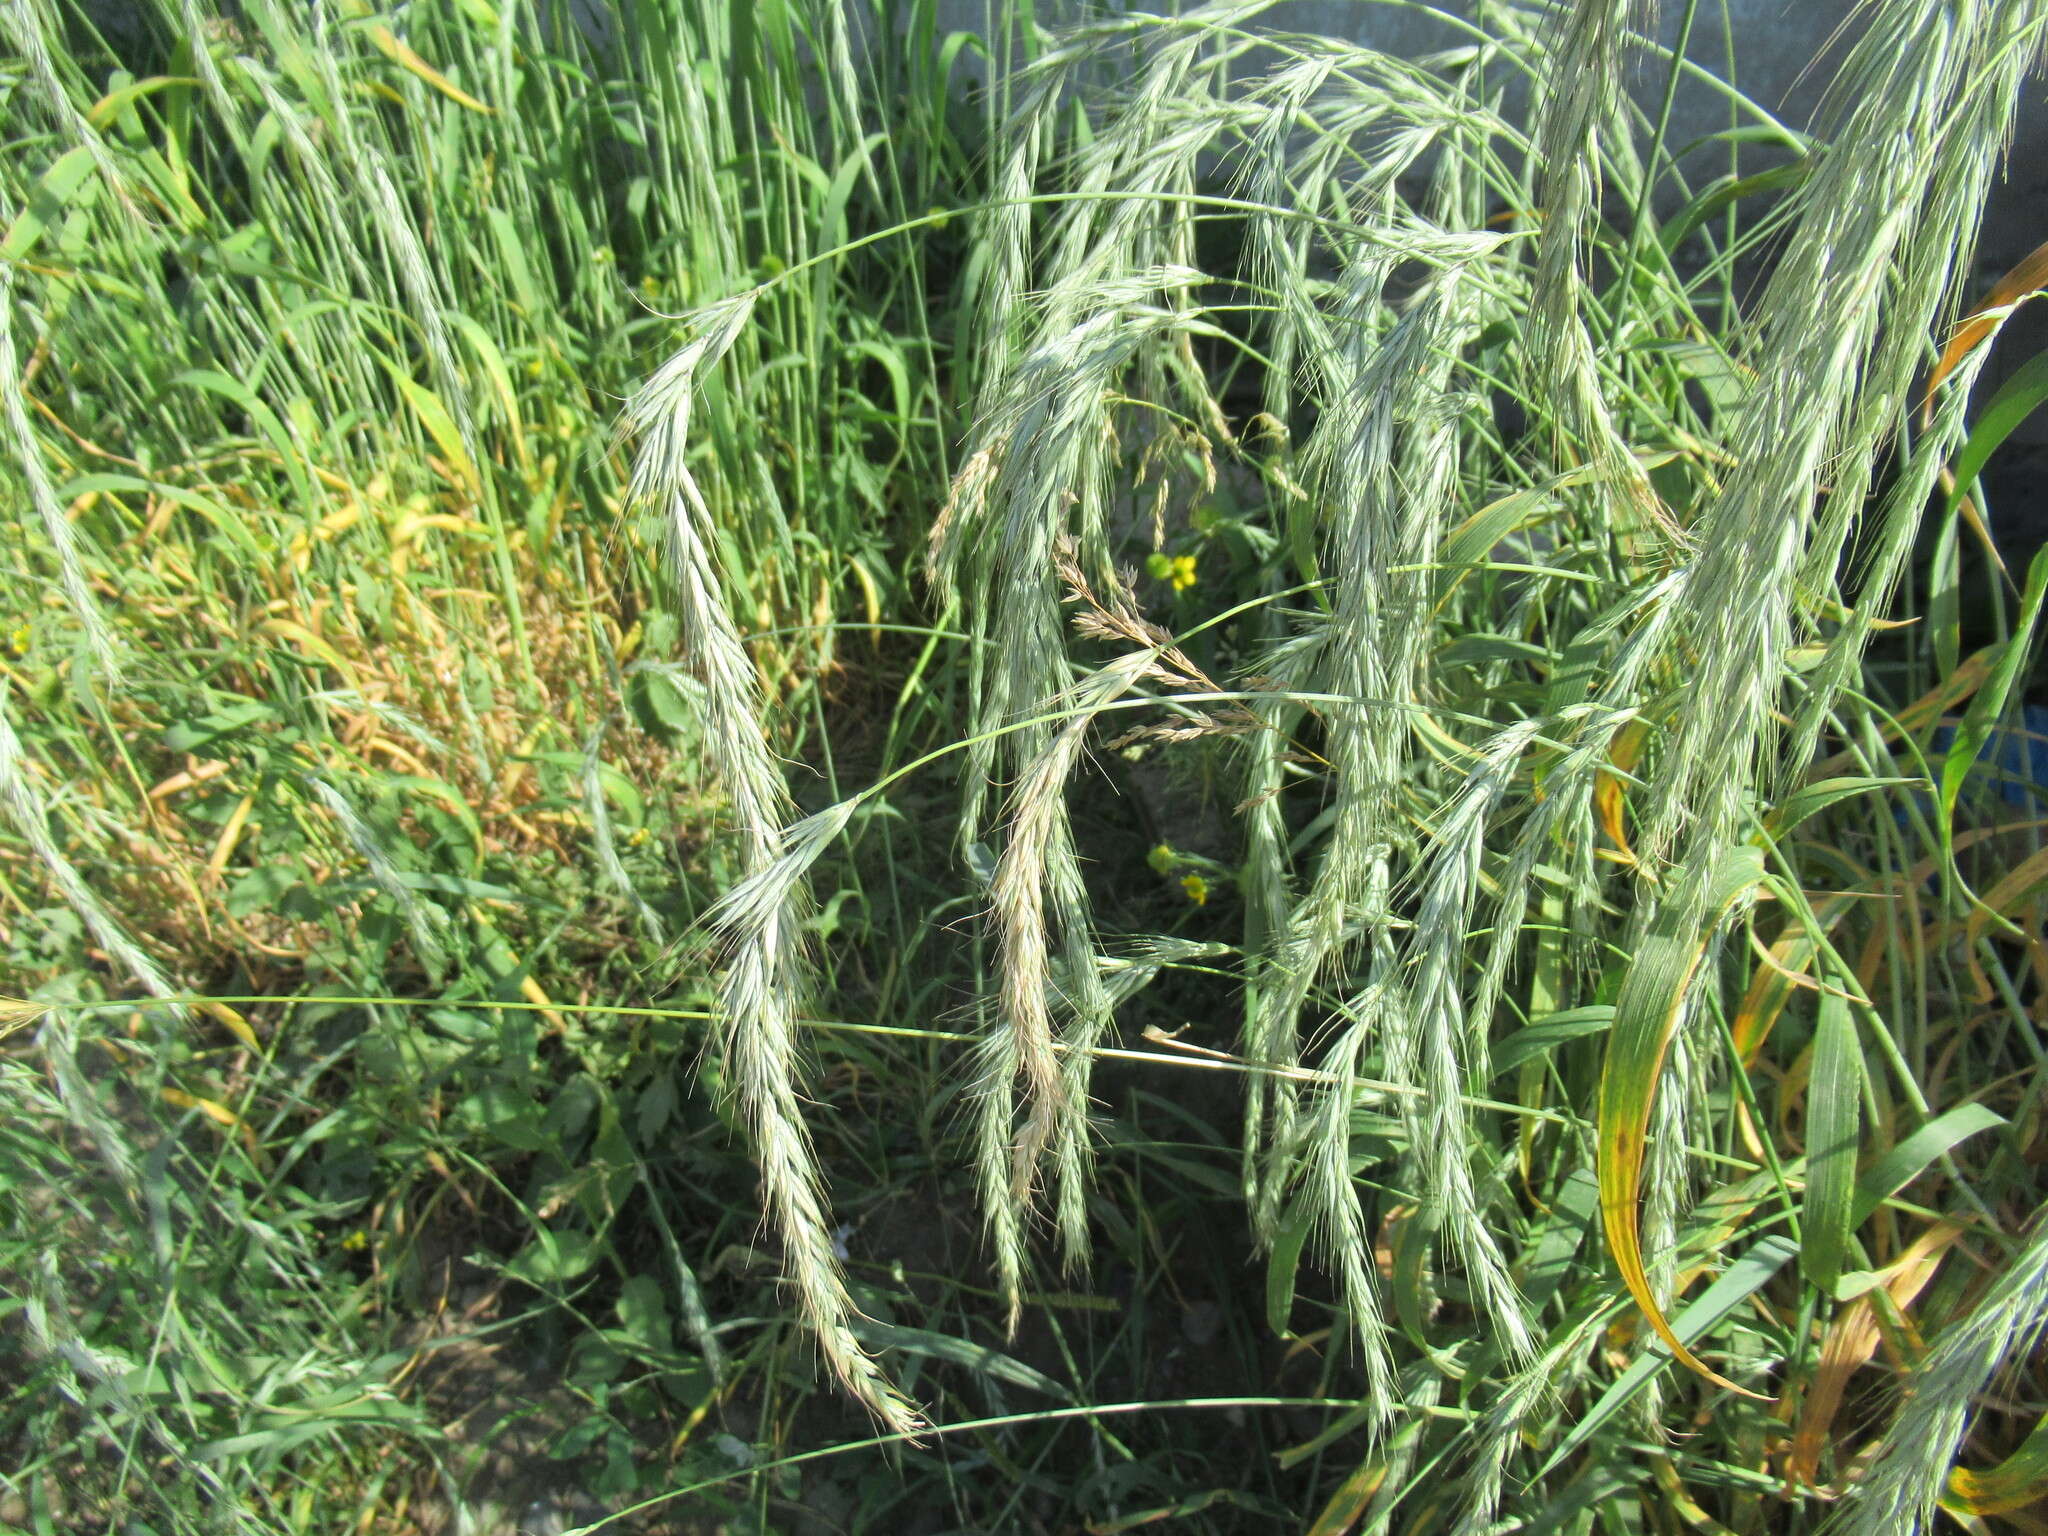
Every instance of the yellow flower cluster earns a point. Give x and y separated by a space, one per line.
1178 571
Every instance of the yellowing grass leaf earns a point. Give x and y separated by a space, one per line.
230 834
110 106
441 427
1771 985
1610 790
2029 276
2019 887
1182 1509
1645 1014
1850 1342
1349 1503
405 535
531 991
17 1013
220 1114
394 48
236 1025
2021 1479
312 645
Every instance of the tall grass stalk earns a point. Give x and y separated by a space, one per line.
765 987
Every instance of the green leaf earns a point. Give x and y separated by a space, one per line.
1834 1103
1357 1417
512 1117
267 422
2017 399
1989 703
643 1311
1718 194
660 705
1468 545
1812 799
1282 1264
262 889
453 885
117 102
440 426
978 1358
229 524
191 736
1550 1257
1905 1162
1722 380
69 177
1548 1033
890 359
832 218
407 785
500 376
346 1409
554 1258
512 259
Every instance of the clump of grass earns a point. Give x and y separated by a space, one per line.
1548 730
1613 957
313 325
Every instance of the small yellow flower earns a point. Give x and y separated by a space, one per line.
18 641
637 837
1162 859
1176 569
1197 889
356 1241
